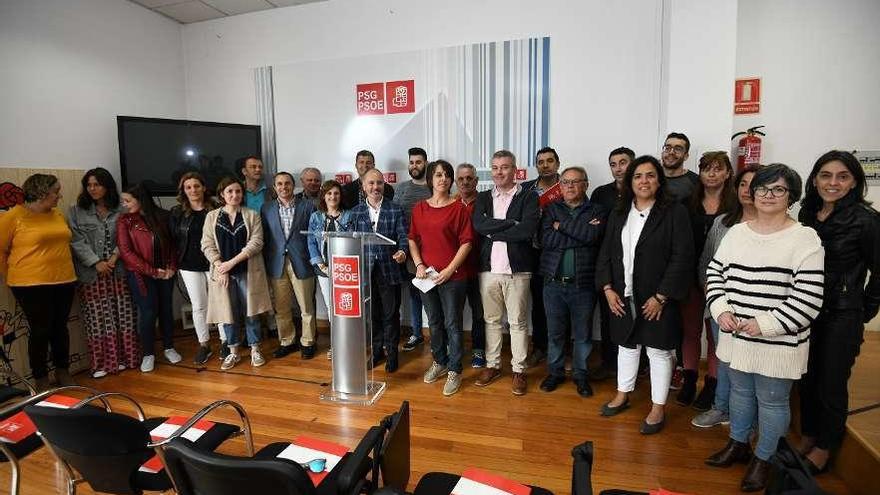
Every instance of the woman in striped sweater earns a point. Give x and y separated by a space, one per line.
764 287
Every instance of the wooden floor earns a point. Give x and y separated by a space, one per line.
525 438
864 385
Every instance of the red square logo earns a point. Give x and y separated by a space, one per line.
520 174
343 178
346 272
390 177
371 99
400 96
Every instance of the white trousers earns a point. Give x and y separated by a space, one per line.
197 288
662 362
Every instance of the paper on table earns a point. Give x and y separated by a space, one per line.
426 284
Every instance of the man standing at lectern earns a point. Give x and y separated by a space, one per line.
384 263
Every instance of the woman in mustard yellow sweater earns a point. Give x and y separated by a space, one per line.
36 263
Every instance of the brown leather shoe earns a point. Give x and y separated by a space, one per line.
519 384
756 476
731 453
487 376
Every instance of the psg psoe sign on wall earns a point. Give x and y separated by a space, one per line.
346 286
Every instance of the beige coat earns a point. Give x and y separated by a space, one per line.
258 301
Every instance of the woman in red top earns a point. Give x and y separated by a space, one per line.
440 239
147 251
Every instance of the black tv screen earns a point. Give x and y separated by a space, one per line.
158 152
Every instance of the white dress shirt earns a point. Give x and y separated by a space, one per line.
629 237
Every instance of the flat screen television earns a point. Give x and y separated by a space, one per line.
158 152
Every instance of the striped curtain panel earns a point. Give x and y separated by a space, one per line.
498 95
265 98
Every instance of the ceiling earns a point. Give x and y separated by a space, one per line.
187 11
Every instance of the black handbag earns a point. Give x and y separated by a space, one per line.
789 475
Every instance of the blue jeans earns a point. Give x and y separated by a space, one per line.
445 305
722 387
568 307
767 399
155 303
238 299
415 308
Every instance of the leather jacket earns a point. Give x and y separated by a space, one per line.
136 248
851 238
179 227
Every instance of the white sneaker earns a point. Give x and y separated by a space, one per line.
257 358
453 383
435 372
172 356
121 367
148 363
99 374
230 362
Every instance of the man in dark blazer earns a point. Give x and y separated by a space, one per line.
506 218
353 192
384 263
287 265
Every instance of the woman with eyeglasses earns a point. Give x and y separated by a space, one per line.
329 217
714 196
238 290
36 263
744 211
765 288
105 303
834 204
645 267
147 250
440 237
187 222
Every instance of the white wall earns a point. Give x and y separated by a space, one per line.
819 64
698 73
69 68
605 58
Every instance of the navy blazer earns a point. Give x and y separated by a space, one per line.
276 247
393 225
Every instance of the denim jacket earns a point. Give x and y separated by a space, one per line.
87 243
316 234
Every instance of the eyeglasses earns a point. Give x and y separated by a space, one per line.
678 149
315 465
571 182
775 191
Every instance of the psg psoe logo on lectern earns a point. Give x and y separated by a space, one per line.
346 286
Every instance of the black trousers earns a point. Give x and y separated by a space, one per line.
46 308
539 316
609 349
835 340
385 314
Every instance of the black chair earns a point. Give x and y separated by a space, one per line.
582 469
106 449
14 452
394 457
11 387
199 472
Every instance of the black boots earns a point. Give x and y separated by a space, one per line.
732 453
756 476
688 388
707 394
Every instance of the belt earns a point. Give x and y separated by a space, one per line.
563 280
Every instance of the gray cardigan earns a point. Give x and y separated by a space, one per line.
87 242
713 240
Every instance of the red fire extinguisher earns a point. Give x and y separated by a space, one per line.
748 149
